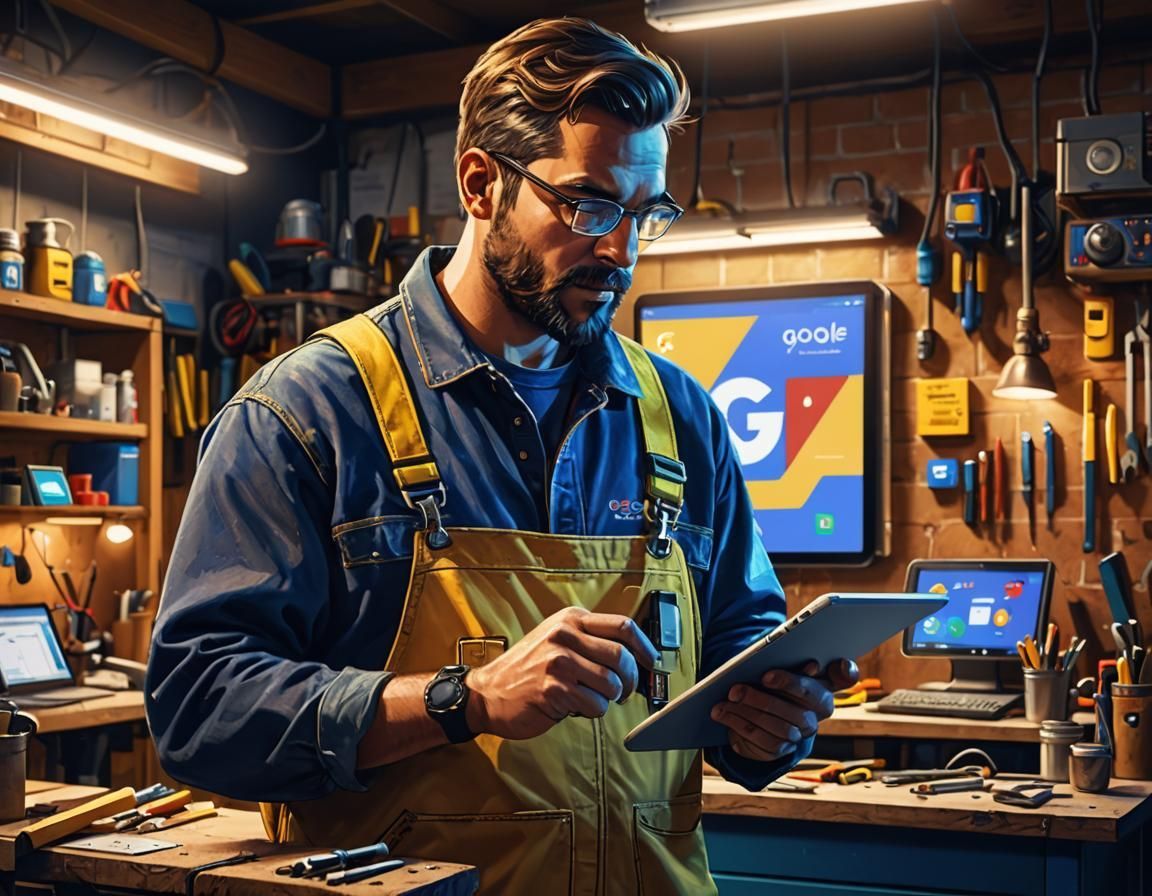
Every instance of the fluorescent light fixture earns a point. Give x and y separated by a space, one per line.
74 520
693 15
780 227
20 89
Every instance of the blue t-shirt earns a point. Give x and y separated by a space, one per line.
547 392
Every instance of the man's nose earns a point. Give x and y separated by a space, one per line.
621 245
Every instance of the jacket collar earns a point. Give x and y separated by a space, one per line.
446 353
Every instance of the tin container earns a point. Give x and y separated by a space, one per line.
11 260
89 279
1090 767
1056 737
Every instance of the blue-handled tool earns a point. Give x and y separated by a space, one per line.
1028 481
1117 587
970 492
1050 471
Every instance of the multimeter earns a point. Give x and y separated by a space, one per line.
663 627
1099 328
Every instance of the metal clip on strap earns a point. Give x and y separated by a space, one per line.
429 501
662 517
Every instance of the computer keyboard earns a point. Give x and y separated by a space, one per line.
958 704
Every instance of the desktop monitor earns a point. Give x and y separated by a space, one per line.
992 604
800 373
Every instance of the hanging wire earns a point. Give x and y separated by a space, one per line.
1091 78
785 121
697 189
84 207
934 128
1041 61
16 187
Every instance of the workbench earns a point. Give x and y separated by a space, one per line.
232 833
884 841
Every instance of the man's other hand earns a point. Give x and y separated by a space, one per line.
574 663
772 720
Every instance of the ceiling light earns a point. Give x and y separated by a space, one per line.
1026 376
692 15
21 89
869 220
74 520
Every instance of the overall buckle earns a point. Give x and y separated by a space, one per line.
662 516
428 502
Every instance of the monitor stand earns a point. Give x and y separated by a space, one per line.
970 675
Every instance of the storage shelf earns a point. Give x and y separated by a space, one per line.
71 314
347 300
128 512
73 426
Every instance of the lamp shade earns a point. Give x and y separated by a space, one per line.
1025 377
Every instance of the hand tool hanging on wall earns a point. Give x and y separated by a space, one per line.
1028 481
970 492
1110 444
982 481
1089 455
968 218
999 464
1050 472
1136 340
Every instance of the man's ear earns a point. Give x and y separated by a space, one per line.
477 175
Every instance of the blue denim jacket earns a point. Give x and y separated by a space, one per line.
290 567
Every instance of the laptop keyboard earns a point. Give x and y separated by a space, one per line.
958 704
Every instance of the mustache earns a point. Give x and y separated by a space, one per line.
616 279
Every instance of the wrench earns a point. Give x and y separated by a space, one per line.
1130 459
1146 347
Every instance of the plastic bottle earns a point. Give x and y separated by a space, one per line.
108 398
126 398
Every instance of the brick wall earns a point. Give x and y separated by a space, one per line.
886 135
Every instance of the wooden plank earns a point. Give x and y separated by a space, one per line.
122 706
406 83
76 426
435 17
1079 816
857 721
185 32
315 11
72 314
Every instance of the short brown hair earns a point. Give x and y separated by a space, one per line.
524 85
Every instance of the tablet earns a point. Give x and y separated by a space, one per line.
830 627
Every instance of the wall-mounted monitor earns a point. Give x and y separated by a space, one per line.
800 372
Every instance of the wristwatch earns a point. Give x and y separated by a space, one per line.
446 698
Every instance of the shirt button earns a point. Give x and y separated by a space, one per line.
523 455
517 421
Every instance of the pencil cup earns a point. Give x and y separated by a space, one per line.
1046 694
13 769
1132 730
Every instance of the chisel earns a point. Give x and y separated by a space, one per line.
1049 471
970 492
1117 587
1027 482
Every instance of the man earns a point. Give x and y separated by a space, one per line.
479 477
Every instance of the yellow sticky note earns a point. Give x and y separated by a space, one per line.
942 407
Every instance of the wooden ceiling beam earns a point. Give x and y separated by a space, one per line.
315 11
185 32
435 17
406 83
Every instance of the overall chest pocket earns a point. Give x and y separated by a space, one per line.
696 542
377 539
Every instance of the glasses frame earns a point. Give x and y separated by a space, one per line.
574 204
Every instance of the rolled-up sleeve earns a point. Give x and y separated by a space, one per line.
236 700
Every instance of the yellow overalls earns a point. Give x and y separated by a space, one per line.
571 811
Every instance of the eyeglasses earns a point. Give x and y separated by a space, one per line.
598 217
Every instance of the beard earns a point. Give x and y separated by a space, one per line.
519 276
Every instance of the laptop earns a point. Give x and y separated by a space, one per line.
33 668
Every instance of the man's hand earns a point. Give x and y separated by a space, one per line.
769 721
573 663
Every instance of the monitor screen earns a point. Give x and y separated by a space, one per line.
29 648
797 372
992 604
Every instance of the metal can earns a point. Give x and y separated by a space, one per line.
11 260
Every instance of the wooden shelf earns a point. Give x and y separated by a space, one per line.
119 511
73 426
71 314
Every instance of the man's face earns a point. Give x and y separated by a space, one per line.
566 284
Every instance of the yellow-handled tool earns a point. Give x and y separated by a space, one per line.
1088 447
1110 444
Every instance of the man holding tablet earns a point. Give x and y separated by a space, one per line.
479 477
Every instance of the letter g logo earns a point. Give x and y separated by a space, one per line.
766 426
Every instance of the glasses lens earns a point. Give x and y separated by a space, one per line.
596 217
656 221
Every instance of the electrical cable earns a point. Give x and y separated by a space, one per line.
1014 162
697 190
142 259
396 169
61 36
1091 77
785 121
927 259
1037 75
983 60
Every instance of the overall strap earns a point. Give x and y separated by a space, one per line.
664 483
384 379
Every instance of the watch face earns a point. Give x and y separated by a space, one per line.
444 694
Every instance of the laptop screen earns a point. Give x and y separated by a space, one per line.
30 652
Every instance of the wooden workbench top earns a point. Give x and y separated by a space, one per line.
860 721
1104 817
231 833
122 706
